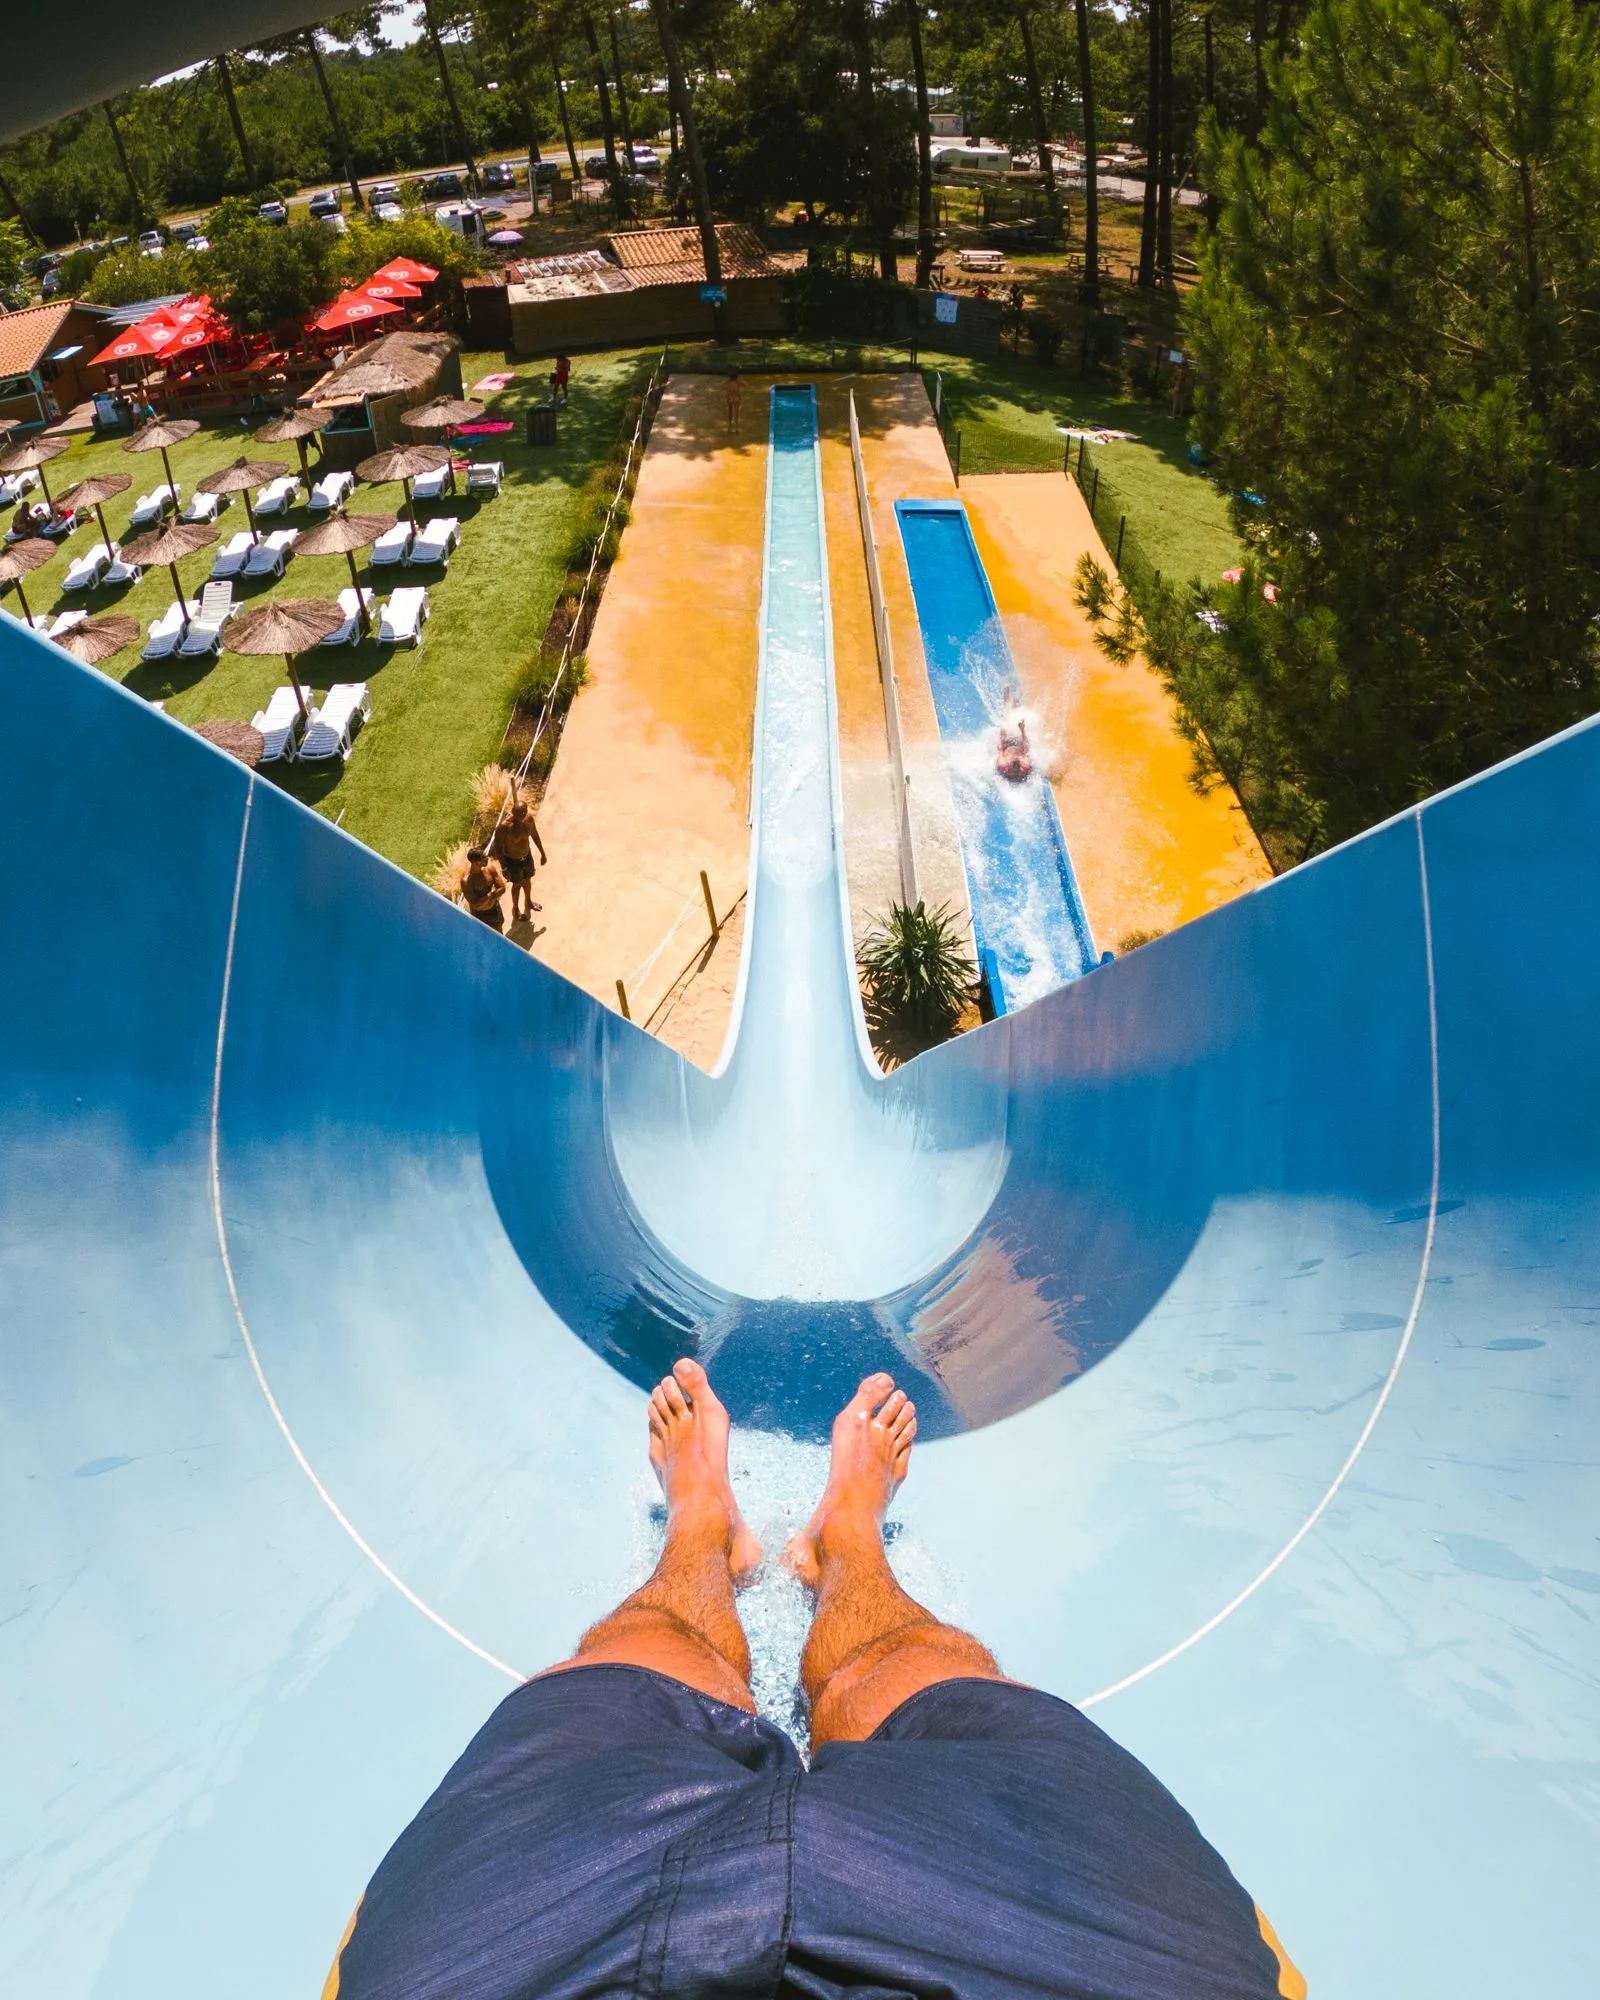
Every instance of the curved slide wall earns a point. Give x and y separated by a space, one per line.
1257 1337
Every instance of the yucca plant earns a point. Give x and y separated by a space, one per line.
916 978
450 872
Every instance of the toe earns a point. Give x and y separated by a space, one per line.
872 1391
677 1403
690 1377
892 1407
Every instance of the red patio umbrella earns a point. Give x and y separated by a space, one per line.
351 309
390 288
132 344
190 339
408 270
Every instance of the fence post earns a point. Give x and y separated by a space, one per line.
1122 529
958 454
711 908
622 1000
1094 491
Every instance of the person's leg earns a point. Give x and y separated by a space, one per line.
871 1647
683 1623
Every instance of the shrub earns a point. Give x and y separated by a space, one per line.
450 872
1091 588
916 978
491 793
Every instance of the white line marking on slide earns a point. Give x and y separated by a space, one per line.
1360 1445
278 1418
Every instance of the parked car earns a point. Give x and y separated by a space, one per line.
273 212
387 211
646 160
499 174
441 187
50 283
383 191
545 172
595 166
150 242
326 203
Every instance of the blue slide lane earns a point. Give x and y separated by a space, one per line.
1027 912
1249 1289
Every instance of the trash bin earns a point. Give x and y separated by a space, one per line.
542 424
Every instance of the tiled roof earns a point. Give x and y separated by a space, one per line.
27 335
673 256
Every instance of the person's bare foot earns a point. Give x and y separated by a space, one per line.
872 1439
689 1449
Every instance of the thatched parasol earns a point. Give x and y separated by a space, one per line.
16 562
342 535
95 492
295 427
100 638
160 432
405 463
170 545
288 625
240 477
34 457
443 413
239 739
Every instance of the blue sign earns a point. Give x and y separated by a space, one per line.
945 308
714 295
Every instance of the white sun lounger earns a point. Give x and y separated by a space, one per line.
279 722
435 540
231 558
206 506
154 506
119 572
205 628
328 731
485 476
350 631
279 496
393 545
270 556
14 485
431 485
37 511
332 491
403 617
85 571
165 633
65 623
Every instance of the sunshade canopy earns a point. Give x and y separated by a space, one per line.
351 309
442 414
287 625
343 534
390 288
169 544
408 269
100 638
406 461
160 432
292 426
29 457
96 491
21 557
243 476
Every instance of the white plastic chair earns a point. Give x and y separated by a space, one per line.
231 558
165 633
435 539
154 506
485 476
393 545
351 605
205 628
270 556
85 571
404 616
328 733
14 485
431 485
331 491
279 496
279 723
119 573
206 506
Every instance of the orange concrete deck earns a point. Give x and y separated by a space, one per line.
652 783
1149 851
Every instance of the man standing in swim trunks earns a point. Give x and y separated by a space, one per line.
482 889
515 838
625 1823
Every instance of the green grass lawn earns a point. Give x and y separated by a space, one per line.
1007 412
438 712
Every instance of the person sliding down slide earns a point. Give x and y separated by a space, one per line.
625 1824
1015 760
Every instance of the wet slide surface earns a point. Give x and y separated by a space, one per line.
1250 1288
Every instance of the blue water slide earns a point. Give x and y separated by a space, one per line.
1028 917
1250 1288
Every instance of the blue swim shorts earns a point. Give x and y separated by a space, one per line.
610 1831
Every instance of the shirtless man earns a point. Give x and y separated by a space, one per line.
515 838
482 887
626 1823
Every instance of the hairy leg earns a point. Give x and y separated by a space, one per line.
871 1646
683 1622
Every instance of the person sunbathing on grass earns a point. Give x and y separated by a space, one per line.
626 1823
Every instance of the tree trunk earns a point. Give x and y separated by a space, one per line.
860 30
246 158
127 171
1211 61
341 145
608 129
448 82
1091 163
1258 49
622 92
16 206
919 71
1041 124
1152 143
678 86
561 106
1164 184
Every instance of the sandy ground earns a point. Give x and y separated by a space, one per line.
1149 851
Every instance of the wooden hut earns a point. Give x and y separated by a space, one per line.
371 389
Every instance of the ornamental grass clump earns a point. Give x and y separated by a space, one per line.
917 978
